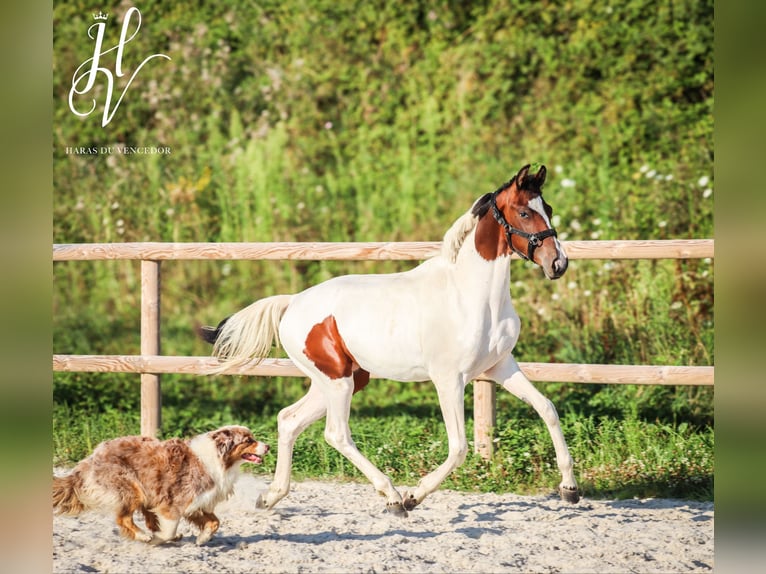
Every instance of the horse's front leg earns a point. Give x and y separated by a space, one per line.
509 375
451 393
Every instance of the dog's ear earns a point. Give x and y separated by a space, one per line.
223 440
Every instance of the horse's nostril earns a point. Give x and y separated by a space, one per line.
560 265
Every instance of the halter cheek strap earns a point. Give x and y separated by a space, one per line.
534 240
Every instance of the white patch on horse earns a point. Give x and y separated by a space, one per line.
537 205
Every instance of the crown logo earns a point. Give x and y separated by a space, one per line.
100 16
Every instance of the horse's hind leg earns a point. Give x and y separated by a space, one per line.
291 421
514 381
451 393
338 435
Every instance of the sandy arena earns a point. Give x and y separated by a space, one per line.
341 527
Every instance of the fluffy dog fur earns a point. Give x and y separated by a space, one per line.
165 480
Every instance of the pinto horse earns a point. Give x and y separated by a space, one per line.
449 320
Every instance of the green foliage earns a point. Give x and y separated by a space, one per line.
327 121
400 431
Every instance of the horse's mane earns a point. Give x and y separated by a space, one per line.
456 234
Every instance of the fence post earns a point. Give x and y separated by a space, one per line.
151 397
483 417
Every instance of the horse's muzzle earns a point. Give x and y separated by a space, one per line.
559 267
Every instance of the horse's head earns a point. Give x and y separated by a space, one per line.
517 218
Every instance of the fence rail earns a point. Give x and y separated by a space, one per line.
548 372
151 363
400 250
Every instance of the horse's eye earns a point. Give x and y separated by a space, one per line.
523 214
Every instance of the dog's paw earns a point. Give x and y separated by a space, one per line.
143 536
157 540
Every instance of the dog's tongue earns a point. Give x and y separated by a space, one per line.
249 457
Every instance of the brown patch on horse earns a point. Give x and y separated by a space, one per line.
361 379
327 350
489 239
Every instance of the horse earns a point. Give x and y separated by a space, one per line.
449 320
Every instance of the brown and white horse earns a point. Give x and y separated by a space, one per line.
449 320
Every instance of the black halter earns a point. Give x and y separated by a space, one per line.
534 239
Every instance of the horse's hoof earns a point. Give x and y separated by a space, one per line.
569 494
260 503
397 509
409 502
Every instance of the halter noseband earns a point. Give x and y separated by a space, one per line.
534 240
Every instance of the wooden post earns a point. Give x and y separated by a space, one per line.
151 397
483 417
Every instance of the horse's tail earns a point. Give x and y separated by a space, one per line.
66 499
247 334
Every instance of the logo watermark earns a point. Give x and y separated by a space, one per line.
118 150
86 75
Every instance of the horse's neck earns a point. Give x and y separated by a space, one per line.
490 280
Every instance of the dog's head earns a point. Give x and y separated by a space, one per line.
236 444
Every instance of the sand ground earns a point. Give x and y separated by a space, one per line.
341 527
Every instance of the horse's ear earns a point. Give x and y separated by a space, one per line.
540 176
522 175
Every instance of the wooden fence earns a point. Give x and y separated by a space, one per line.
150 364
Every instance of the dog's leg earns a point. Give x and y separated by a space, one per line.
168 526
208 524
128 528
151 520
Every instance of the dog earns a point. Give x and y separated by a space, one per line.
165 480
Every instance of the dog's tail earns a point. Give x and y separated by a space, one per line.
66 498
247 334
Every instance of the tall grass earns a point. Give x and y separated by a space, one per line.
404 436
